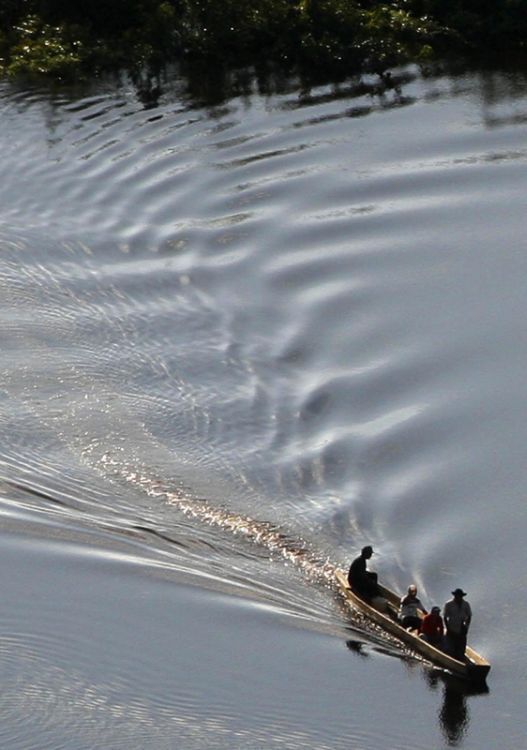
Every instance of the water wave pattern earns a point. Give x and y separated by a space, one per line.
282 305
75 683
101 439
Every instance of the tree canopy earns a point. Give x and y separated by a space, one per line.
64 38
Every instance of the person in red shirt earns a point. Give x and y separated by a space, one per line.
432 629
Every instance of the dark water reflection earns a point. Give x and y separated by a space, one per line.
454 714
454 708
243 332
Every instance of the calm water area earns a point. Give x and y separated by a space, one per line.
239 340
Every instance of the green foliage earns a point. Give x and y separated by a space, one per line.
394 34
486 26
44 49
236 28
315 33
60 37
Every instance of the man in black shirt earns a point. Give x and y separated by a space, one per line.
362 581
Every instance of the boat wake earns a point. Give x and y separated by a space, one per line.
266 535
262 533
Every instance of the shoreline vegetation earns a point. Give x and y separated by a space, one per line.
66 40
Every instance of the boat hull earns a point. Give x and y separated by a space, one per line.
474 668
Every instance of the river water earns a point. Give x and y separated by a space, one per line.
239 340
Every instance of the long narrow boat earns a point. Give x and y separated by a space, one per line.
474 667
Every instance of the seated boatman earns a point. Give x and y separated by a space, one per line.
362 581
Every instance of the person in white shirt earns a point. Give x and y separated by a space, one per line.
410 608
457 615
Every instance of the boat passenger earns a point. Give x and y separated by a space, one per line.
361 580
457 614
409 609
432 629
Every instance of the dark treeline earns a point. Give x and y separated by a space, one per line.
61 37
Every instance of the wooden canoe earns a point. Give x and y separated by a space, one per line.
474 667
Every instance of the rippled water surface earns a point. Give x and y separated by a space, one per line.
239 341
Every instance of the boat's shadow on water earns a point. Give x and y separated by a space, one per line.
453 713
